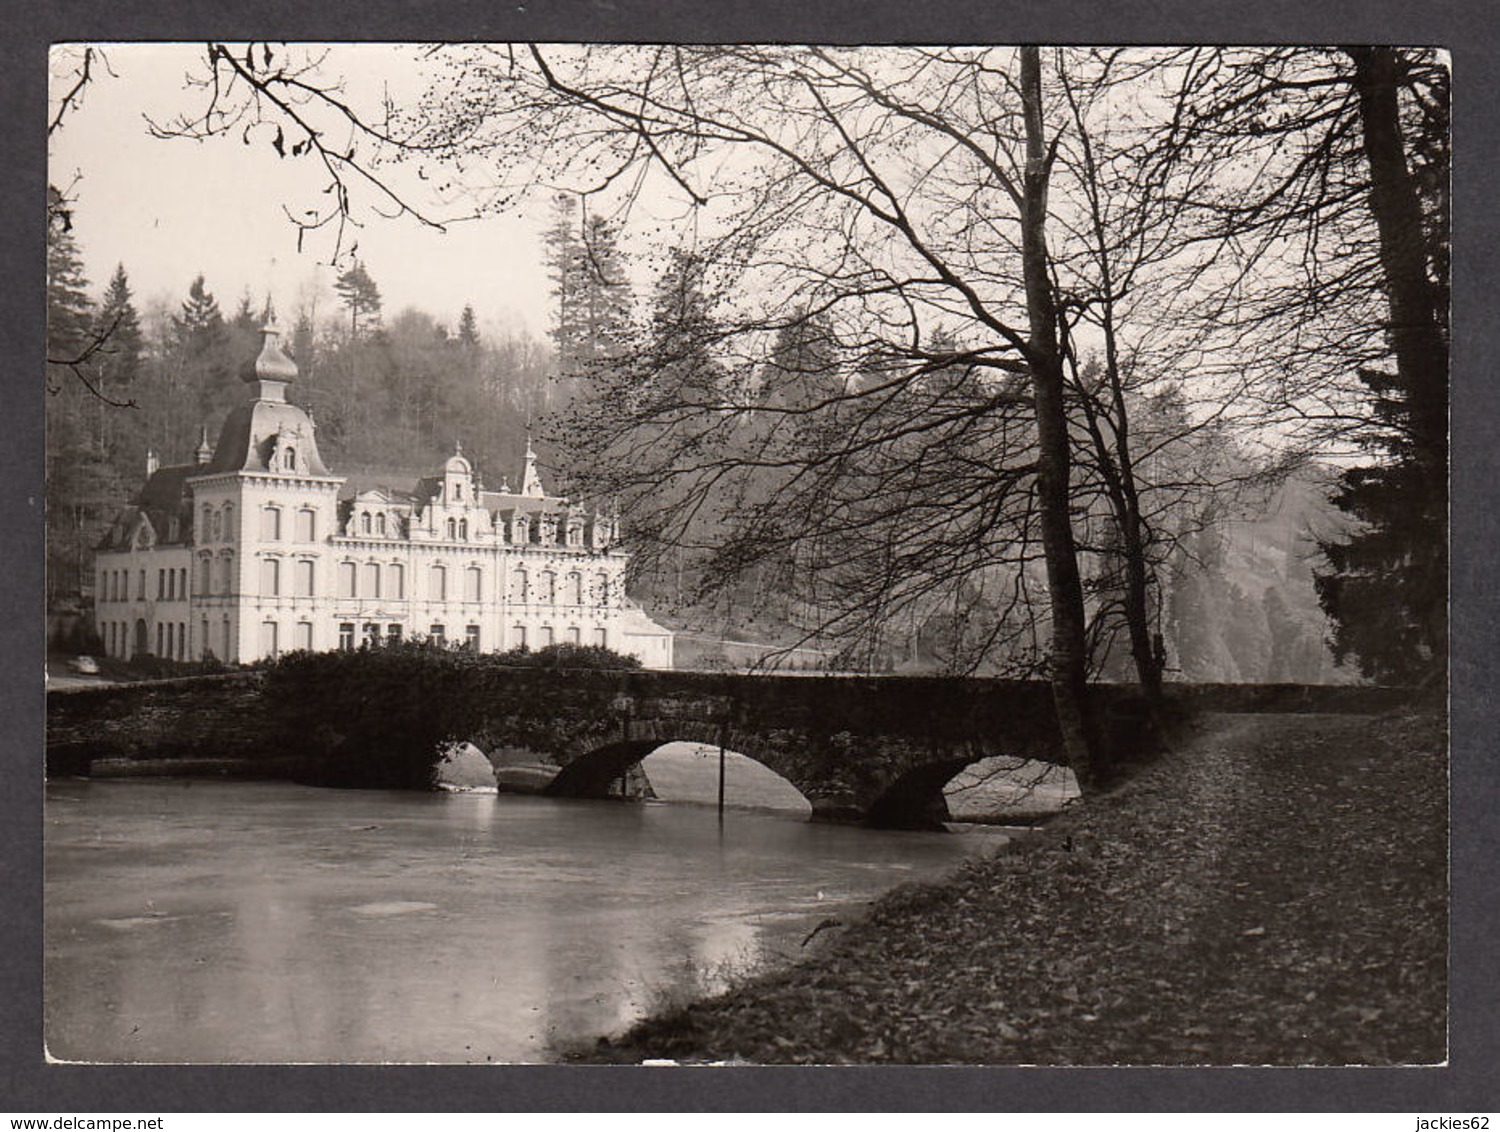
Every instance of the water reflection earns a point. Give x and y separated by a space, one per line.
266 922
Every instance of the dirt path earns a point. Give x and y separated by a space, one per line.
1273 892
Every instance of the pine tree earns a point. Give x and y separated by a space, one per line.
468 329
201 362
590 289
69 311
361 297
1387 591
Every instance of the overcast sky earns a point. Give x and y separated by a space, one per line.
169 209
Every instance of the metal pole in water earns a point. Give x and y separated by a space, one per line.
723 738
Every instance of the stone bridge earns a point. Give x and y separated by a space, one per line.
869 749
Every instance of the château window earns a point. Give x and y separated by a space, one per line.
439 636
305 577
270 577
575 589
307 525
463 530
346 580
372 635
523 586
546 636
228 523
458 493
396 581
161 588
372 579
473 582
601 638
364 522
140 586
393 634
603 584
291 459
380 523
268 642
452 529
575 635
471 638
270 524
304 636
346 636
520 635
437 588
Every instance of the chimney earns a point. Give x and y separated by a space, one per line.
205 451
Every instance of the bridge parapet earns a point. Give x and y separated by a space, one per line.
857 747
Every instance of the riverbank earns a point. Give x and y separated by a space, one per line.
1271 892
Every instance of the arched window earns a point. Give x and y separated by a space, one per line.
228 523
291 459
473 583
575 534
463 530
205 530
346 580
371 587
226 574
452 529
396 581
270 524
364 522
437 588
523 529
380 523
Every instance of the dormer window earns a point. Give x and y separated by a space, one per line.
380 523
458 493
364 522
291 459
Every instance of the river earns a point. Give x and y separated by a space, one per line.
203 921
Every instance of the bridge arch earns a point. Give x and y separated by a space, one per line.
594 773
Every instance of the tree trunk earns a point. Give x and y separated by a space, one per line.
1416 336
1044 355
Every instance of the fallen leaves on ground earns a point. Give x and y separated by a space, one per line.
1274 891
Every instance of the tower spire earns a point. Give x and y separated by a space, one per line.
531 482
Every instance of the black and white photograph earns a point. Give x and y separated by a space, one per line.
746 554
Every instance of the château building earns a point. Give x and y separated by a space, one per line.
258 548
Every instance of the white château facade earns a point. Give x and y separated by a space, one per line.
257 549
